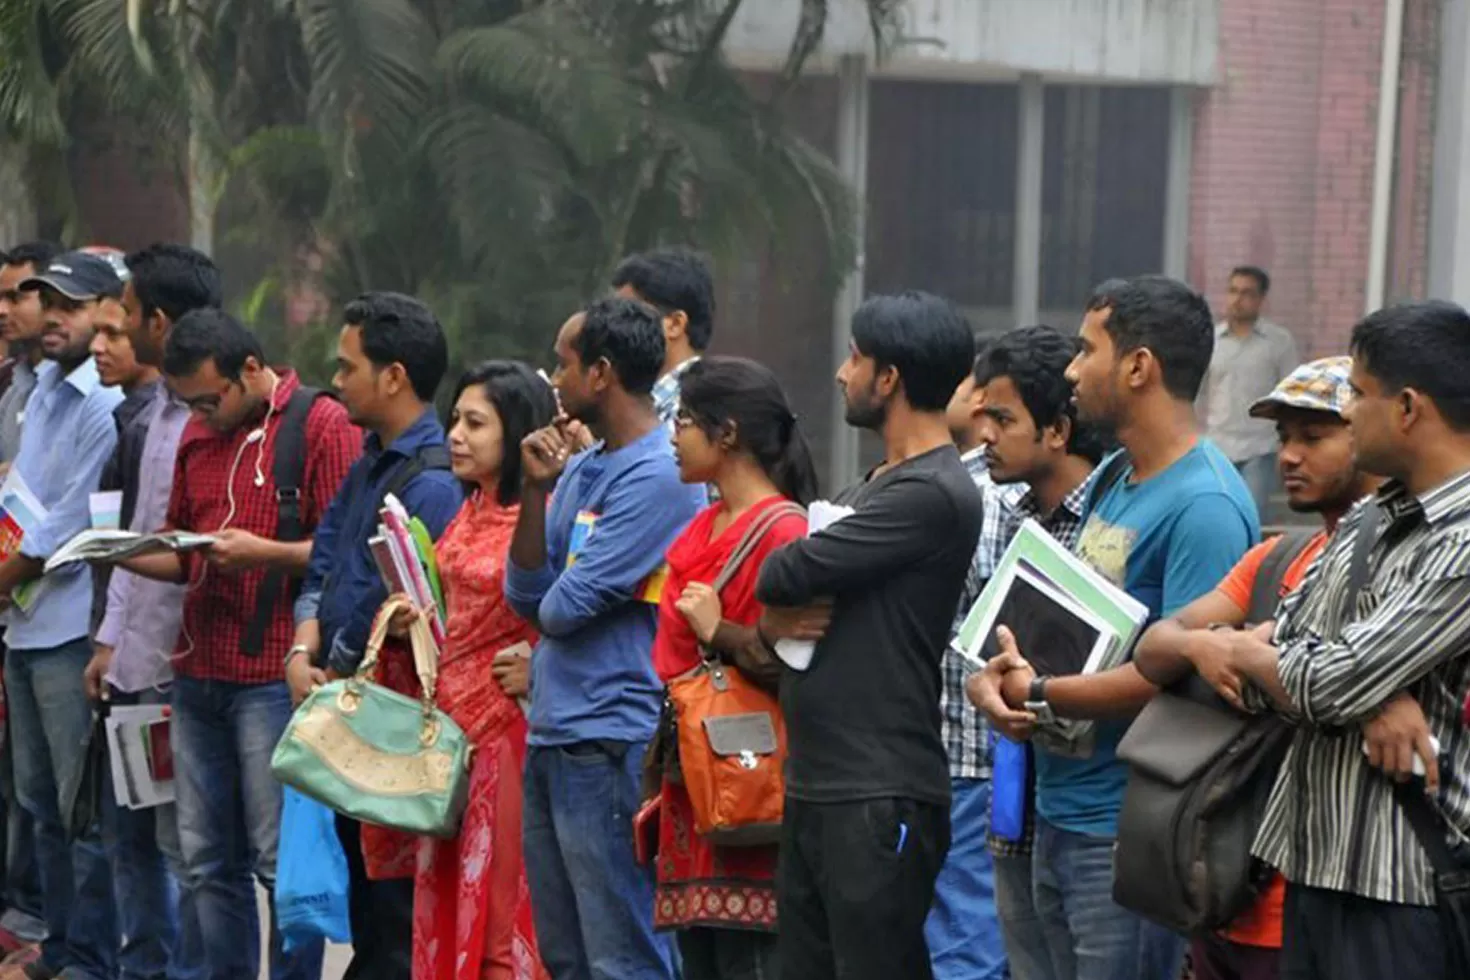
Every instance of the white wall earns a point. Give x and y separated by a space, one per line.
1169 41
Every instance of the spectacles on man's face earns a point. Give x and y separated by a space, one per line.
207 404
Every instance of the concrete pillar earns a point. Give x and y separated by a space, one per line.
1030 134
1449 224
1176 189
852 162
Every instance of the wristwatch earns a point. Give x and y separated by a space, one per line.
296 650
1037 704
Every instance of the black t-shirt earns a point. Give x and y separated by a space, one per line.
863 721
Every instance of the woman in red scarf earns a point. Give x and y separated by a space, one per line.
472 908
736 431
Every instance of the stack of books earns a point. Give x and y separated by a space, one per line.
404 552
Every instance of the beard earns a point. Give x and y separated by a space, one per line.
866 410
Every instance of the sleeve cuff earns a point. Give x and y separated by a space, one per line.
307 606
527 587
341 660
108 632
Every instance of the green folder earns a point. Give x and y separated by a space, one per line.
424 544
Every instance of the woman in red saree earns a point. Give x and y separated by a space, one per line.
472 908
736 431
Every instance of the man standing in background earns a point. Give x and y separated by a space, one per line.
677 283
1251 355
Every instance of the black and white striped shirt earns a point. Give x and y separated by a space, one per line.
1332 821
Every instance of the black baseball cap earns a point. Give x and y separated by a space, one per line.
79 276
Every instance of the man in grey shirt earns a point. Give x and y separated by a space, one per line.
1251 355
20 325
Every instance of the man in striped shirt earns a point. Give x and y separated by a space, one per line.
1360 888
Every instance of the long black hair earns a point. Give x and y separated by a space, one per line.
524 402
733 394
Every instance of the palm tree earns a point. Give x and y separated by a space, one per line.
496 156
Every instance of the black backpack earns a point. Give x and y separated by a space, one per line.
1200 776
288 467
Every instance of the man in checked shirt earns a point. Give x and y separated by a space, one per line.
230 699
1360 895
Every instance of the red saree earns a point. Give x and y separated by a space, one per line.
700 884
472 907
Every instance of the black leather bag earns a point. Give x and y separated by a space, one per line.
84 805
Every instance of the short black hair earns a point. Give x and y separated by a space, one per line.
670 280
1165 316
210 334
524 402
630 335
1424 346
37 255
1035 359
922 335
174 280
1263 281
398 329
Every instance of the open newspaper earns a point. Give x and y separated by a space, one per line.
1067 619
111 545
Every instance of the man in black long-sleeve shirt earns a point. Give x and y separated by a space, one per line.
867 794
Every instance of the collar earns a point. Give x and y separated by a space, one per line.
1449 500
144 394
425 431
287 382
1223 330
671 378
1072 503
83 378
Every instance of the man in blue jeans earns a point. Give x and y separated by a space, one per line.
1166 519
586 575
68 437
230 699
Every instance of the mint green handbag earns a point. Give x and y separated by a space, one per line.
374 755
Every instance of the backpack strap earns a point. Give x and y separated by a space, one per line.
426 458
1271 575
1358 571
288 467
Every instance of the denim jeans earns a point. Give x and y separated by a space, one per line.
50 720
1261 477
229 814
20 881
592 901
1089 935
963 935
1015 906
156 918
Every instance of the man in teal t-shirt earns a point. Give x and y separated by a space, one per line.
1169 517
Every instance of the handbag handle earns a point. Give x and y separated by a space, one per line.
749 541
425 661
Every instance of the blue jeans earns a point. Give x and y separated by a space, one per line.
157 918
963 935
1260 474
20 889
229 813
1089 935
50 721
1015 905
593 903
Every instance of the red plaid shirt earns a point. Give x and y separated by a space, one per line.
219 606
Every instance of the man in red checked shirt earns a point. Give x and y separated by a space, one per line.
230 700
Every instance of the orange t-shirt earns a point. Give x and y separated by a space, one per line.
1260 925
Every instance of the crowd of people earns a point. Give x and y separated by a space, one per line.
635 519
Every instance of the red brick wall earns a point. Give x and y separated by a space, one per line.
1283 168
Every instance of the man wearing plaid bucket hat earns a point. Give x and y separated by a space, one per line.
1320 475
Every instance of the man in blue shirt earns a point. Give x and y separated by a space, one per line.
1168 517
391 357
585 574
68 437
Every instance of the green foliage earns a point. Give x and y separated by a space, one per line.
496 157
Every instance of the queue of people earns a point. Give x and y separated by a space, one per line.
636 523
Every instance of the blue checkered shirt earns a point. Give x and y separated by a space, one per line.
966 736
666 394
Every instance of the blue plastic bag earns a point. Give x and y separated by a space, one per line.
311 874
1008 789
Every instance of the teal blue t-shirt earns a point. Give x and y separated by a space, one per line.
1166 540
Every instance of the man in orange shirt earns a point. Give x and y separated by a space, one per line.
1321 477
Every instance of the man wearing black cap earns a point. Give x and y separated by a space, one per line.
68 437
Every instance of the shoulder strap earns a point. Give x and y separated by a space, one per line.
752 538
288 466
1362 545
1428 826
1266 591
426 458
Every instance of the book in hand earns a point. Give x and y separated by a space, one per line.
110 545
1067 619
822 514
20 512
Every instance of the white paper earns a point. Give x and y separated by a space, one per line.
106 507
132 783
822 514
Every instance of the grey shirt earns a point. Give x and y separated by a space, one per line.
1243 370
13 409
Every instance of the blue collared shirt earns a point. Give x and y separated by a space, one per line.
343 589
69 436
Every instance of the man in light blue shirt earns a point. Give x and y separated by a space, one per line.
69 435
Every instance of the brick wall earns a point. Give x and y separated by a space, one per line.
1284 154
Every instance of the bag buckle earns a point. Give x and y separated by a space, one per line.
748 760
